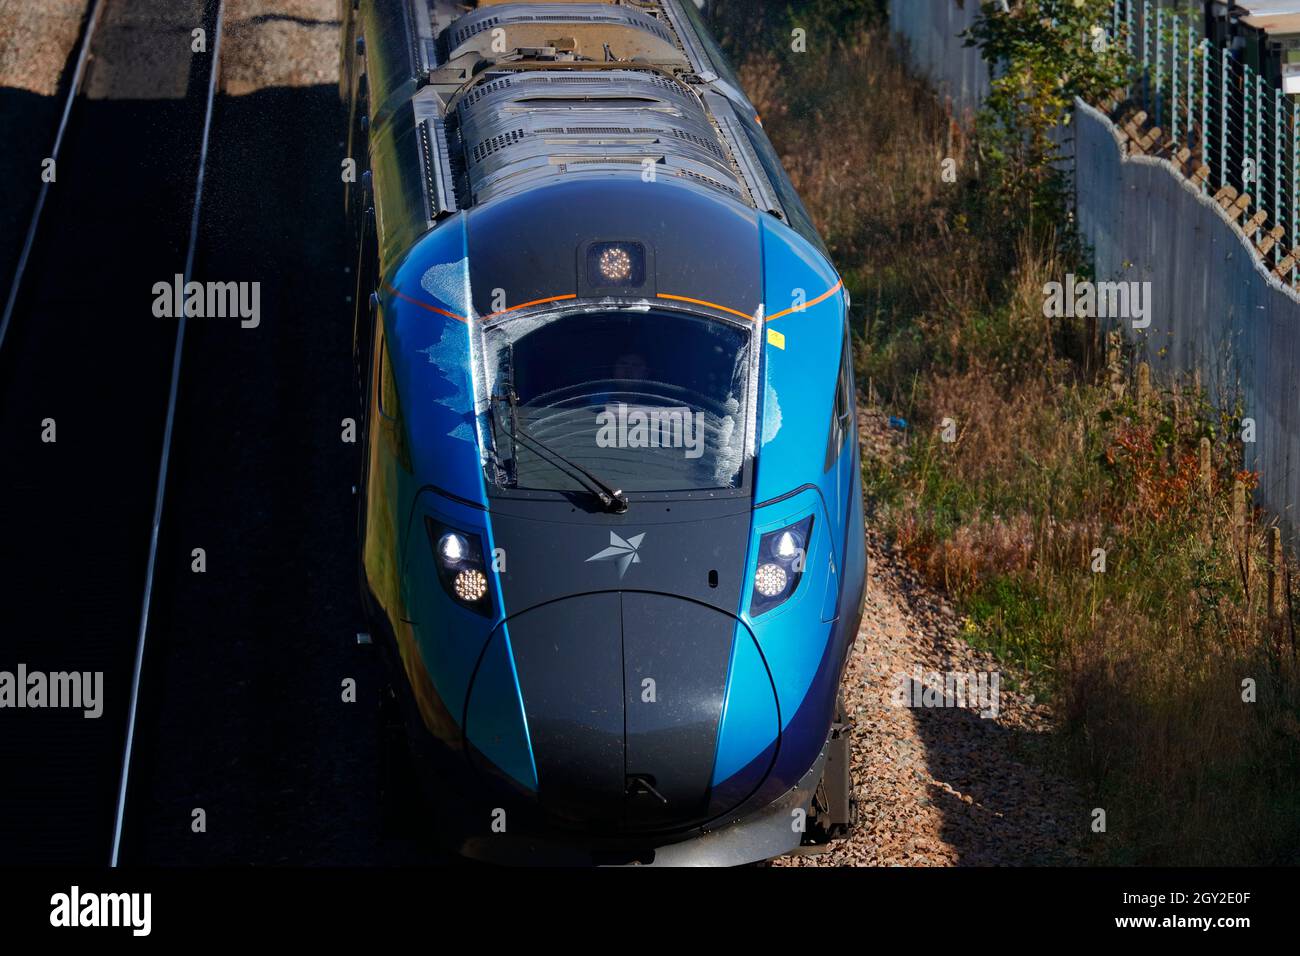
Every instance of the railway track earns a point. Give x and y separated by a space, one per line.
89 378
227 681
160 490
242 712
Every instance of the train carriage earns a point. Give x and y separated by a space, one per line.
611 514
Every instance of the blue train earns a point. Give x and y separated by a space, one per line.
611 514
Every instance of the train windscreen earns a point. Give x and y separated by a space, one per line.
648 401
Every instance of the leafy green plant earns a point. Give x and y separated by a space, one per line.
1045 53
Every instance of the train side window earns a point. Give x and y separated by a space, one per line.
844 389
842 423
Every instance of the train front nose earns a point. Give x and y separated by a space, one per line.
623 697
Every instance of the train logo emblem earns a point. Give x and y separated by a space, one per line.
623 553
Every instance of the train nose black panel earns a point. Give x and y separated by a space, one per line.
675 659
569 658
623 695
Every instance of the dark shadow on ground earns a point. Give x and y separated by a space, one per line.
84 352
248 659
28 122
1006 805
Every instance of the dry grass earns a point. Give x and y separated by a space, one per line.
1144 662
871 179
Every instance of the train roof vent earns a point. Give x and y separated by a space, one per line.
495 143
599 160
438 180
593 130
515 131
709 181
711 144
439 187
462 31
483 89
644 79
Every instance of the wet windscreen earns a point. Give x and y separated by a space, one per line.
645 401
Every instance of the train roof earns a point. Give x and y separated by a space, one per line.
590 30
693 251
468 108
520 128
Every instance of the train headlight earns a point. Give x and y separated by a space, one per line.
781 558
787 546
770 580
470 586
459 559
452 547
616 265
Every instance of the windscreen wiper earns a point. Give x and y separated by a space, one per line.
613 499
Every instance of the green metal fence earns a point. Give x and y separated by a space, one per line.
1211 102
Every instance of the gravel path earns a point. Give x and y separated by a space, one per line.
280 43
36 37
941 786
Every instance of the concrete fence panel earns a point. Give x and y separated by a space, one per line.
1215 307
932 29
